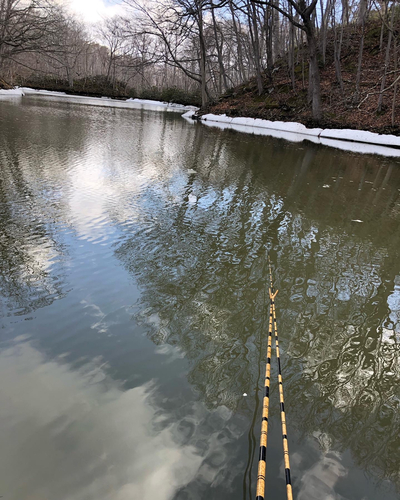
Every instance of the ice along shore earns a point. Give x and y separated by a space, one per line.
359 141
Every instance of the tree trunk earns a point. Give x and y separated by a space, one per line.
338 49
324 26
268 39
362 11
70 77
203 85
322 30
242 73
395 85
275 31
291 57
384 19
387 61
314 80
359 64
219 52
203 75
256 45
361 20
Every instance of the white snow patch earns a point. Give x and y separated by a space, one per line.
188 115
164 104
360 147
113 103
358 141
293 127
29 90
361 136
356 220
258 130
11 92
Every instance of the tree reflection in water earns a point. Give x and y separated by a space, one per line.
201 263
31 243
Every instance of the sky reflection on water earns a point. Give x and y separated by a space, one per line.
77 434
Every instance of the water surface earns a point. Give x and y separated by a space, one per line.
134 310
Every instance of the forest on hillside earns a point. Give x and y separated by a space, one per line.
195 51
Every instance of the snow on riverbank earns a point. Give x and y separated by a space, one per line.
359 141
11 92
178 107
100 101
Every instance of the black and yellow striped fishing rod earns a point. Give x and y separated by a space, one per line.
260 494
262 460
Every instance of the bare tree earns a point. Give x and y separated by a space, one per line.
306 22
178 23
218 46
113 33
24 27
67 43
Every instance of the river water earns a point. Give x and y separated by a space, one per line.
133 282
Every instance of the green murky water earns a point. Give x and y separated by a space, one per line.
134 309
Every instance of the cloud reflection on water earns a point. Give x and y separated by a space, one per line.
81 436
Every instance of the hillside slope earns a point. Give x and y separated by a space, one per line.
342 108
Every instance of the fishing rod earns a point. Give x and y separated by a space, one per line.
262 464
262 460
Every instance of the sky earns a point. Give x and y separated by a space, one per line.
91 11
